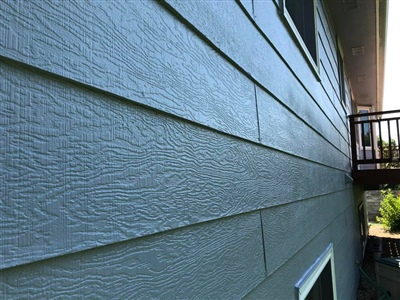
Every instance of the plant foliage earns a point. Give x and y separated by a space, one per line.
390 210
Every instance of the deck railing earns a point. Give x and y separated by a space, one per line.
371 149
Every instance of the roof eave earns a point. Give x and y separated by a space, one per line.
381 17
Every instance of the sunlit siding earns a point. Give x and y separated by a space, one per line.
184 149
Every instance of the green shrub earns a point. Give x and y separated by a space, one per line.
390 211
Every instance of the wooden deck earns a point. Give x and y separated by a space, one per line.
375 161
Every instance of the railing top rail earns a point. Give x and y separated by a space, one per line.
376 120
378 113
372 162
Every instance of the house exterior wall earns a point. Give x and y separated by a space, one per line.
169 150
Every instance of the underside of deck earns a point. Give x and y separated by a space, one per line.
377 177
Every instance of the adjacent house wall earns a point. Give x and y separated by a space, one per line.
169 150
374 199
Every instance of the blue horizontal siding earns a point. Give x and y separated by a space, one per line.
215 260
102 170
163 149
147 56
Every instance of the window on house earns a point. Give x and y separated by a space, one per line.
365 128
322 288
319 282
341 73
342 80
301 16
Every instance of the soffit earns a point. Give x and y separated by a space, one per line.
358 24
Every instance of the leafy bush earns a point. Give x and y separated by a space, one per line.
390 211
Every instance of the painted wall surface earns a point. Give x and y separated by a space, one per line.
169 150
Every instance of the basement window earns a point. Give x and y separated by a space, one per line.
300 15
319 282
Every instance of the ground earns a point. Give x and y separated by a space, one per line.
377 230
390 248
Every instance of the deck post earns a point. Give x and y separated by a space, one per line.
353 145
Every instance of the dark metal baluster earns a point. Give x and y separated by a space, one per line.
372 138
372 141
398 140
363 140
380 138
390 143
353 143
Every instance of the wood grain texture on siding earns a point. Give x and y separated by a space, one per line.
134 49
330 83
274 28
333 82
326 81
330 52
248 5
328 35
281 129
225 26
335 98
81 169
348 252
281 284
215 260
269 18
283 239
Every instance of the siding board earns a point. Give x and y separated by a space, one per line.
331 84
161 76
329 34
329 47
312 216
248 5
271 22
331 50
134 49
103 170
216 260
281 129
136 162
328 86
254 53
281 284
349 251
326 83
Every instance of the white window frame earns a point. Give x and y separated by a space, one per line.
306 283
314 64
